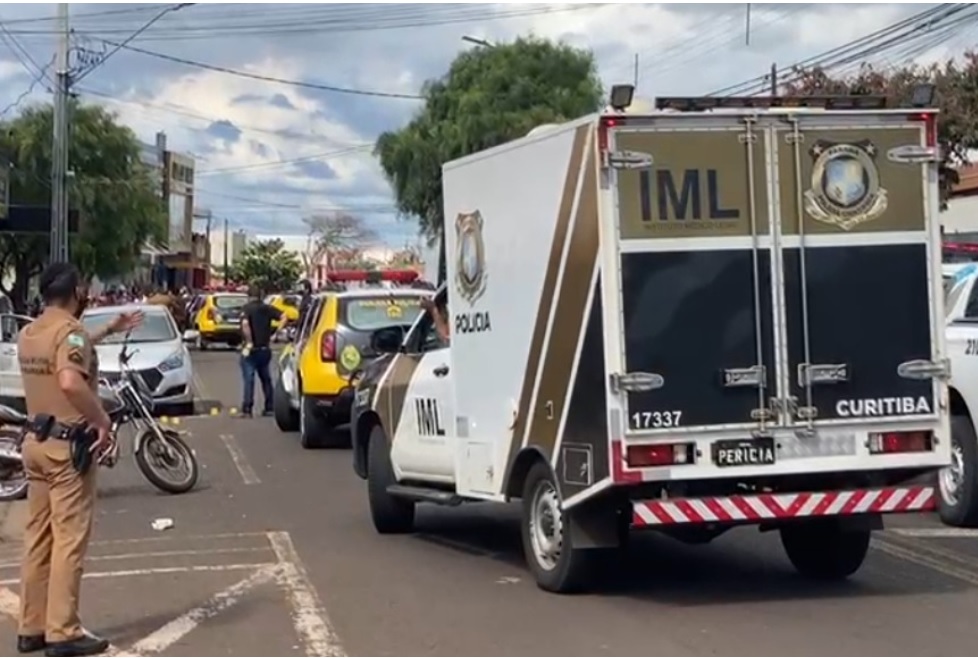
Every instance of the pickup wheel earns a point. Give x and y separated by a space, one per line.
391 515
958 483
286 417
314 430
556 565
823 550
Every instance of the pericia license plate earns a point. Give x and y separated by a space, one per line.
744 452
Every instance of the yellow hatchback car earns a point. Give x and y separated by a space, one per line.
313 394
218 319
287 304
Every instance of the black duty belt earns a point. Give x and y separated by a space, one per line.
45 426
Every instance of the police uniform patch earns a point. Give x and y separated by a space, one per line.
76 357
76 340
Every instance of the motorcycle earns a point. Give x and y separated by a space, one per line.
158 451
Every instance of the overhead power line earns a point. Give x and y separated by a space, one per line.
266 78
38 79
899 32
148 24
22 55
317 157
331 19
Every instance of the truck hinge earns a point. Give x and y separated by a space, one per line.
923 369
635 382
628 160
789 407
914 154
753 376
813 374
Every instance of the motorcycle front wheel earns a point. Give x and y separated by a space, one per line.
13 478
170 466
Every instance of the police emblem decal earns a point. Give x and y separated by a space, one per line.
845 187
470 256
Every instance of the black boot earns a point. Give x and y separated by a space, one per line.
30 643
86 645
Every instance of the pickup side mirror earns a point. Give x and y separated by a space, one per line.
189 336
387 340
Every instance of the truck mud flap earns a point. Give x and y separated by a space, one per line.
857 296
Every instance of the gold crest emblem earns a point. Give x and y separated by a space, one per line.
470 256
845 189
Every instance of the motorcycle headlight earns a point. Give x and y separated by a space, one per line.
173 362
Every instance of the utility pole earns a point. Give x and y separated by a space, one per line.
225 251
774 79
59 144
635 76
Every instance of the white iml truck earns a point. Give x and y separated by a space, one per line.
723 312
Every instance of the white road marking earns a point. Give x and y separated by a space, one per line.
160 570
10 607
137 556
240 461
171 633
308 616
937 533
144 540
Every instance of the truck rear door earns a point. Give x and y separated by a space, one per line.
858 241
695 251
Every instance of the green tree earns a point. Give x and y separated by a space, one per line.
114 193
267 265
956 87
490 95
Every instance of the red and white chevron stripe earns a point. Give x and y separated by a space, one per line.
763 507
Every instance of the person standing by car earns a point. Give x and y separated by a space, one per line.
60 372
256 353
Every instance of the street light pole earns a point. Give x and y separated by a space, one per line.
479 42
59 144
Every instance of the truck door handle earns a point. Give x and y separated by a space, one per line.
440 371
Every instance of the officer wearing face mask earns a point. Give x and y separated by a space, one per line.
68 431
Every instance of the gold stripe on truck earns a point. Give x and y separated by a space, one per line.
393 392
533 361
569 315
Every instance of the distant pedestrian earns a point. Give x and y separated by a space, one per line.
256 353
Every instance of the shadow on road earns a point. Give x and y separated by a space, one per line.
742 566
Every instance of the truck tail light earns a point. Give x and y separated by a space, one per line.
888 443
327 347
660 454
929 119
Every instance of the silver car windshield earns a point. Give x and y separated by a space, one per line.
156 328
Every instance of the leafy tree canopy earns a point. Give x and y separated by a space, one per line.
956 85
267 265
114 193
490 95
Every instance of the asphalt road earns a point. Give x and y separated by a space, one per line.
275 554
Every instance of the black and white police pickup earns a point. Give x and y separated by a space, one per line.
674 321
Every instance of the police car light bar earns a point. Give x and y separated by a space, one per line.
372 276
702 103
960 247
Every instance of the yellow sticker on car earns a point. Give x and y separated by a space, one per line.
350 357
394 311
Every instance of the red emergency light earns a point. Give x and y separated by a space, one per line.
960 247
372 276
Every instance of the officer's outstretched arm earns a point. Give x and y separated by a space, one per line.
73 360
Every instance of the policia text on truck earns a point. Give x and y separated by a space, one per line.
687 334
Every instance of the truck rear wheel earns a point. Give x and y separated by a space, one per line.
556 565
822 549
958 483
390 515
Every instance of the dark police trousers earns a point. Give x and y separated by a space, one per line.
258 362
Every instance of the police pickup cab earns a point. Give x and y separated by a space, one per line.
673 321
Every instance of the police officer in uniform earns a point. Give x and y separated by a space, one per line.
60 372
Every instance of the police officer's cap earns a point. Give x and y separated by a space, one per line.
59 281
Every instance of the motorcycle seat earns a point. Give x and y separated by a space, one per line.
10 416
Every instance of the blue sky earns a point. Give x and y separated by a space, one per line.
270 153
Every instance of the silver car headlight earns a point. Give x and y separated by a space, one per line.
172 362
